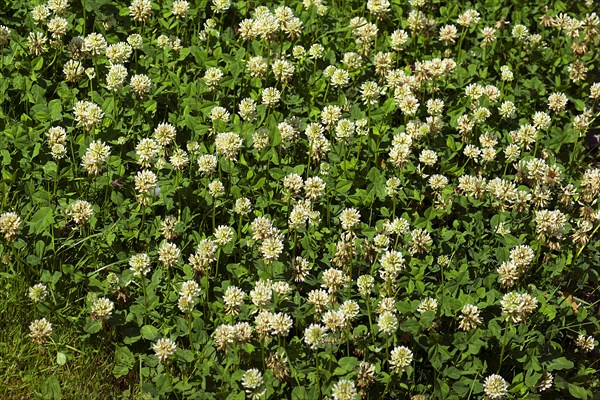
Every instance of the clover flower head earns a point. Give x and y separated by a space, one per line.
495 387
39 330
164 348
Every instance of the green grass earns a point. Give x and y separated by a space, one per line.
28 371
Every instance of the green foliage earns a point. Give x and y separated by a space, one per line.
345 200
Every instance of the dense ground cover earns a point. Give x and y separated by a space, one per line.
300 200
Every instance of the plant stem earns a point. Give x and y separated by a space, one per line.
505 169
217 263
318 374
189 321
348 343
145 299
387 352
462 37
171 382
368 301
214 212
505 340
142 224
583 246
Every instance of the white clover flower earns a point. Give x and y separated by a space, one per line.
140 264
517 307
392 262
233 298
365 284
228 144
334 321
216 189
213 76
119 53
116 77
314 336
88 114
427 304
207 164
314 188
140 10
595 91
95 157
223 235
102 308
243 206
399 38
36 43
38 292
181 9
545 382
370 92
520 32
80 212
301 269
400 358
10 224
344 389
349 218
468 18
253 381
145 182
135 40
281 324
73 71
247 109
140 84
557 102
340 78
585 343
271 248
388 323
39 330
39 14
495 387
58 26
168 254
220 6
164 348
94 44
469 318
283 70
271 96
448 34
